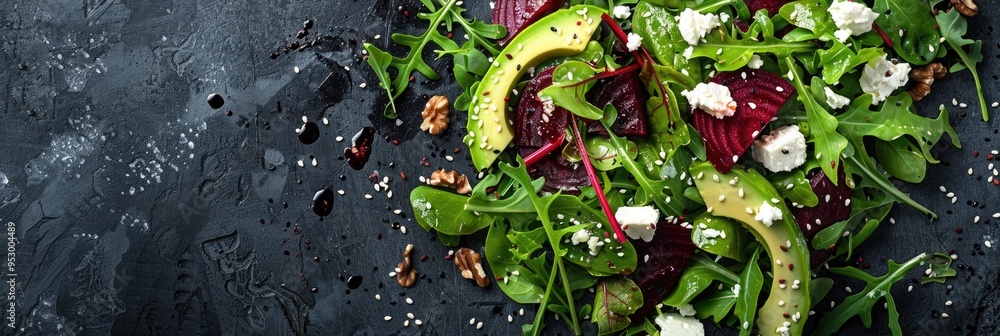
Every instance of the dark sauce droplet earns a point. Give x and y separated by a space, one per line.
215 101
357 155
308 133
355 281
323 202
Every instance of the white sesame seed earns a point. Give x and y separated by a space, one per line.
362 85
789 186
403 230
909 289
406 323
954 199
949 195
472 321
368 196
954 102
520 312
301 163
963 105
945 315
392 274
449 158
480 325
988 244
378 297
388 318
848 289
510 318
339 138
722 198
995 104
418 322
947 303
970 170
942 189
975 220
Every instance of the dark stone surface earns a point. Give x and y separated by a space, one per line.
141 210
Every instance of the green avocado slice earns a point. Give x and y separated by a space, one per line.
740 195
562 33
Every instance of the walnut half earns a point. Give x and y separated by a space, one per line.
406 276
435 115
468 262
450 179
966 7
924 76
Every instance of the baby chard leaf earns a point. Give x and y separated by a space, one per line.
617 297
920 40
570 83
751 282
953 27
822 126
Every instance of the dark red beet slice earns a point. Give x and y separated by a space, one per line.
772 7
759 94
559 173
515 15
532 127
669 253
627 94
829 210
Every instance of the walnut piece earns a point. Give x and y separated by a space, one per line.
966 7
406 276
923 77
435 115
450 179
468 262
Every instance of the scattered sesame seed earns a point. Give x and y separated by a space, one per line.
388 318
944 315
480 325
975 220
409 301
510 318
406 323
848 289
362 85
378 297
909 289
403 230
449 158
947 303
520 312
418 322
472 321
368 196
339 138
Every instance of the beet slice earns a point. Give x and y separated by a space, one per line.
515 15
669 253
559 173
532 126
627 94
758 94
829 210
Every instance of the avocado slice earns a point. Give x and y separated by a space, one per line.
563 33
740 195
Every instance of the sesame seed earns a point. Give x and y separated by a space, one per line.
388 318
339 138
472 321
409 301
418 322
975 220
909 289
988 244
789 186
510 318
942 189
963 105
403 230
722 198
341 191
944 315
848 289
378 297
480 325
520 312
368 196
947 303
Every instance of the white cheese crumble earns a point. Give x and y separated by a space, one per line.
881 77
782 150
547 105
677 325
835 100
713 98
768 214
622 12
634 42
638 222
686 310
694 25
851 18
594 244
755 62
580 237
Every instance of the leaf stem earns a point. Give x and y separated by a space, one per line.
544 150
569 296
975 76
540 314
595 181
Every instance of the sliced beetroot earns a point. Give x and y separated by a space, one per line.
669 253
627 94
515 15
533 126
559 173
758 94
833 206
772 7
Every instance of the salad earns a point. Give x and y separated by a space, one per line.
649 165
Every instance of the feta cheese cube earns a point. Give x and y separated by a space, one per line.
622 12
677 325
782 150
881 77
694 25
755 62
835 100
767 214
581 236
638 222
594 244
713 98
634 42
851 18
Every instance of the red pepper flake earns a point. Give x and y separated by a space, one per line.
486 93
395 142
781 281
790 266
402 175
412 78
406 13
996 182
975 153
959 230
578 23
607 234
423 258
506 99
786 315
499 278
379 236
457 150
447 257
783 248
509 56
425 162
833 164
449 35
989 156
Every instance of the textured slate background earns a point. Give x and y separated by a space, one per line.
140 210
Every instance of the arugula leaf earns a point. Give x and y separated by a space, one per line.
940 265
920 39
528 286
751 282
862 303
839 59
698 275
570 83
450 12
617 297
731 53
810 15
715 302
896 118
953 27
860 208
822 126
801 191
862 164
900 159
661 35
470 66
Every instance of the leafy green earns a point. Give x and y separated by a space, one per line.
839 59
953 27
715 302
449 13
822 126
801 191
900 159
860 208
751 282
661 35
940 265
731 53
897 118
920 38
810 15
617 298
728 238
862 303
470 66
570 83
699 274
